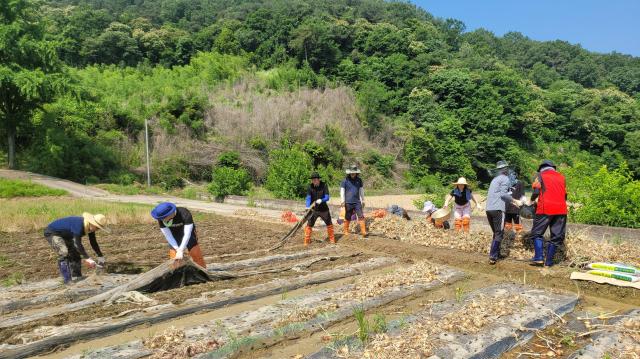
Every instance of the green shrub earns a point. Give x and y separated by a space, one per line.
170 173
288 173
229 159
382 163
20 188
229 181
607 197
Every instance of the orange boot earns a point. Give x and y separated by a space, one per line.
458 224
345 229
466 224
518 227
508 226
307 235
363 228
332 237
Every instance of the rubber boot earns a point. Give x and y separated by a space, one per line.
518 227
538 258
508 226
345 228
65 271
332 237
307 235
551 252
458 224
363 228
466 224
494 252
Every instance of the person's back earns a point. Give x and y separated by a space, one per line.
553 193
498 188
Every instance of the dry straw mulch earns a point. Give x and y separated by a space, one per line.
172 343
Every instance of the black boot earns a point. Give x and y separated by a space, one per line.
494 252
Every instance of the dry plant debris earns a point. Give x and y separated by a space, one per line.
421 337
580 248
305 314
172 343
421 272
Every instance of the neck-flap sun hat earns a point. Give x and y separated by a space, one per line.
163 210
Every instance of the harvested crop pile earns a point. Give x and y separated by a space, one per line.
173 344
421 337
421 272
579 248
305 314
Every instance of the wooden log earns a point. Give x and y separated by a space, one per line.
95 329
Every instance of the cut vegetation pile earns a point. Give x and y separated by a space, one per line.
172 344
580 249
422 336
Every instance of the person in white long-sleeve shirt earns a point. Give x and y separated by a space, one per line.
176 224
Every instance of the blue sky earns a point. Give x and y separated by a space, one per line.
598 25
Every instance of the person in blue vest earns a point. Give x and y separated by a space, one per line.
65 237
352 196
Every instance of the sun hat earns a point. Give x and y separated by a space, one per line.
501 164
546 163
163 210
98 220
315 175
428 206
353 169
461 180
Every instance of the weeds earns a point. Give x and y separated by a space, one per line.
363 324
22 188
13 279
459 294
379 323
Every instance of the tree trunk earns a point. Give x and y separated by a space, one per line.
11 142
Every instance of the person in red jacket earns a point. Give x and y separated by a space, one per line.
549 189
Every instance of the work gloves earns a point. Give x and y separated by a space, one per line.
318 201
101 261
179 253
90 263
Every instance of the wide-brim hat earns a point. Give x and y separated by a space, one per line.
502 164
352 169
97 220
462 181
315 175
546 163
163 210
428 206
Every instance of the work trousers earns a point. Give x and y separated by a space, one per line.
66 251
496 222
324 215
557 225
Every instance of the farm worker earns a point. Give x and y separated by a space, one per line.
399 211
429 208
462 196
317 198
65 237
352 197
549 189
176 223
497 195
512 212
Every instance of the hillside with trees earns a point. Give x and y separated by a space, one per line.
413 98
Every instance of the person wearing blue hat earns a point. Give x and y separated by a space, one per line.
176 224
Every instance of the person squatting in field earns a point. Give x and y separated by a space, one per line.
429 209
316 200
65 237
352 197
462 196
178 228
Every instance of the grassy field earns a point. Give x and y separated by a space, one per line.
30 214
21 188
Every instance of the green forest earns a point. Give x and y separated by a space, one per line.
259 93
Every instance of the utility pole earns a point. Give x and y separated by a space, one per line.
146 140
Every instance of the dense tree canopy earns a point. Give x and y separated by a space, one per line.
458 101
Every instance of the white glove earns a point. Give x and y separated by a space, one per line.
101 261
318 201
517 202
90 263
179 253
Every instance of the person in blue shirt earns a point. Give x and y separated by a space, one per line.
65 237
318 197
352 196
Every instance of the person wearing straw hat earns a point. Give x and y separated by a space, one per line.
317 198
550 191
462 196
429 209
65 237
352 197
497 197
176 224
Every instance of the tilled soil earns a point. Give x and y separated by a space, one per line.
136 248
